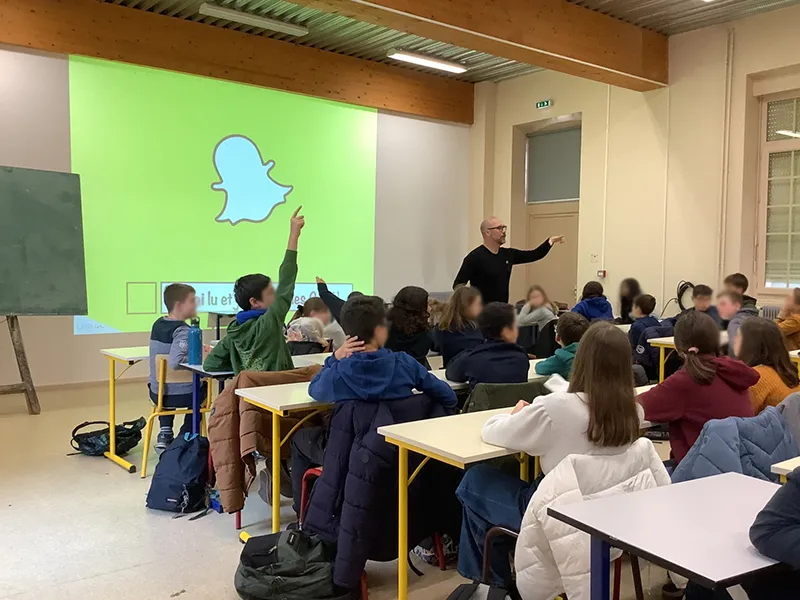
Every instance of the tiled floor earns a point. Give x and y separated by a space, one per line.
74 527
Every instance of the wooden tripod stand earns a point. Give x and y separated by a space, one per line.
26 387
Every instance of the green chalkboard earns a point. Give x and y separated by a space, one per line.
41 243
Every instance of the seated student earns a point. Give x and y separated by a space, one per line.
458 330
598 414
569 331
538 310
706 387
733 313
701 299
594 305
498 359
255 340
362 369
738 283
409 331
306 335
333 330
170 335
629 289
643 307
789 320
759 344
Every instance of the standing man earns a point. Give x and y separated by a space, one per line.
488 267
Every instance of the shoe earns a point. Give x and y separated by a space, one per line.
450 549
426 555
286 482
162 441
265 485
670 590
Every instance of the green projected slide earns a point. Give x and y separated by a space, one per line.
191 179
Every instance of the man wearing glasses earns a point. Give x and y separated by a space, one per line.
488 267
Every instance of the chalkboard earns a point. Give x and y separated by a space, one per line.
41 243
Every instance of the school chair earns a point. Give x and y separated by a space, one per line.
165 376
490 396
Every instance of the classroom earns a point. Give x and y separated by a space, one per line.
333 299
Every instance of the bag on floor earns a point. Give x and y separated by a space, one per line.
289 565
98 441
181 477
480 591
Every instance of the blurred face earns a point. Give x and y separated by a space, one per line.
186 309
637 312
322 315
474 309
788 304
266 300
510 334
737 343
624 290
495 231
726 308
701 303
536 299
381 335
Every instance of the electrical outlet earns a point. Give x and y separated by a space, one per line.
594 258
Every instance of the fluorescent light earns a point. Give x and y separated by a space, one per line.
239 16
426 61
786 132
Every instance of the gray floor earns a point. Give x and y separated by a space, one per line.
74 527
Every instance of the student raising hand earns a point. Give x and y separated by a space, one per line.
351 345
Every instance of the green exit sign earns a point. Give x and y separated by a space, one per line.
544 104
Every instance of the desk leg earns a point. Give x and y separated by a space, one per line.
524 468
402 524
783 478
197 386
218 320
112 419
601 569
662 359
276 472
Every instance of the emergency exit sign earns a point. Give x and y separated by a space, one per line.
544 104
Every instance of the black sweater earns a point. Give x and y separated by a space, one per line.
776 530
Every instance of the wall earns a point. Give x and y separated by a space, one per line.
421 181
668 179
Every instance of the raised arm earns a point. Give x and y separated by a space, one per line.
331 300
287 275
521 257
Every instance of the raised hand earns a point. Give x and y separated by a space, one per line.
297 221
350 346
556 239
320 280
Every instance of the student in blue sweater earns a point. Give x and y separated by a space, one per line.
499 359
458 328
643 308
569 330
594 305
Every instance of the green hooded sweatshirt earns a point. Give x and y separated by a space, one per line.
560 362
259 344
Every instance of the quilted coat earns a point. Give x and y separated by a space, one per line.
236 429
736 445
354 502
552 557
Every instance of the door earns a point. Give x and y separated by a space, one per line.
557 273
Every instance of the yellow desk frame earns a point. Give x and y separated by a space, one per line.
112 410
664 352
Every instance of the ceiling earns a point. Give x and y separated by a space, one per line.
677 16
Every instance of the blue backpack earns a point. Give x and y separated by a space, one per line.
181 477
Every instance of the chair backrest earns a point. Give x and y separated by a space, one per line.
770 312
490 396
171 375
527 337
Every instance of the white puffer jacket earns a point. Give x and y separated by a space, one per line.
553 557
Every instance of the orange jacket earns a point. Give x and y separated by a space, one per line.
770 390
790 328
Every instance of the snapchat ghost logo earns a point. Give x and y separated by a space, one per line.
250 193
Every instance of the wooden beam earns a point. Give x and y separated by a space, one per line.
554 34
92 28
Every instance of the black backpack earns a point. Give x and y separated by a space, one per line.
181 476
288 565
97 442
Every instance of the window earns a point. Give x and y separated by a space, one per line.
554 166
780 194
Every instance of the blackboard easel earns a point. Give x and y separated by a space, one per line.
26 387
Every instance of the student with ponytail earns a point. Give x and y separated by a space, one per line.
708 386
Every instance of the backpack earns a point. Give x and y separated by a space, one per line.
479 591
288 565
97 442
181 476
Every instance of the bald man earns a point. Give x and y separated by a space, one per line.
488 267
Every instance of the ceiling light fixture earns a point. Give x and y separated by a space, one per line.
426 61
786 132
239 16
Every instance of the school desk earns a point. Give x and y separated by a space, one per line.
308 360
786 467
701 531
795 356
219 316
458 386
625 328
198 374
436 361
281 401
454 440
127 357
666 346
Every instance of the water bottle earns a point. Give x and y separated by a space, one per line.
195 343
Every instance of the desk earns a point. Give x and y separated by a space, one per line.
129 357
786 467
707 538
308 360
625 328
281 401
198 374
665 344
457 386
219 316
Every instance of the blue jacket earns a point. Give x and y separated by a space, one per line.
560 362
644 353
354 502
776 530
374 376
637 329
451 343
494 361
594 309
736 445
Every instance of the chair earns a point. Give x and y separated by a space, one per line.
489 396
167 375
637 575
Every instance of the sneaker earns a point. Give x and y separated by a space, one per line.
162 441
425 554
670 590
265 483
286 482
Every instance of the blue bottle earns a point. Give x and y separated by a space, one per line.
195 343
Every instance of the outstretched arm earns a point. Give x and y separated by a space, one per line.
521 257
331 300
287 275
